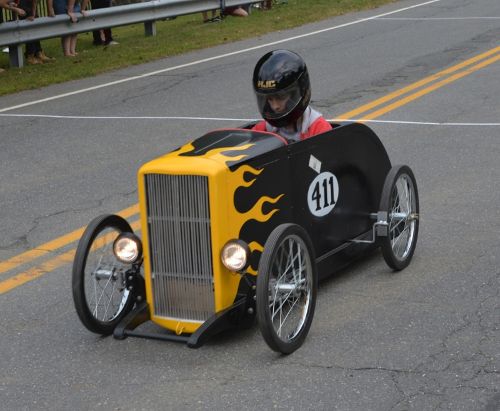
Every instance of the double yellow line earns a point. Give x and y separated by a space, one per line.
47 249
367 111
445 77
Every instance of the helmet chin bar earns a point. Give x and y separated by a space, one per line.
289 118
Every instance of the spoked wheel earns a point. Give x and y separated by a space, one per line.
99 280
286 288
400 201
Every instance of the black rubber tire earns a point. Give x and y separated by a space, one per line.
267 261
89 320
388 203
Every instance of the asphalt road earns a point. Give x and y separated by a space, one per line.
425 338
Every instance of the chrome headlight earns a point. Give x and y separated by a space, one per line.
235 255
127 248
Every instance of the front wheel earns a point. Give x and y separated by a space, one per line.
99 280
400 201
286 288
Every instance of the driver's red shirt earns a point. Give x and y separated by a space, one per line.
313 123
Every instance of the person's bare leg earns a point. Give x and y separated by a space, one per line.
240 12
66 46
73 45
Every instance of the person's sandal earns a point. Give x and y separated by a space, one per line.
213 19
32 59
43 57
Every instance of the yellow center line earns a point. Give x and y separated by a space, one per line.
429 89
54 245
36 272
366 107
64 240
44 268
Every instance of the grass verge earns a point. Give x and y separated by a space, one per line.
185 33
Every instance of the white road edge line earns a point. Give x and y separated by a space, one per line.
418 123
436 18
126 117
220 56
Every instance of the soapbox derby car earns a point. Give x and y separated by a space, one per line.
241 224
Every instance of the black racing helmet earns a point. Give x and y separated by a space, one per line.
282 74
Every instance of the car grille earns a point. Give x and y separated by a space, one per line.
180 250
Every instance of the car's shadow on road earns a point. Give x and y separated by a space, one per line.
369 264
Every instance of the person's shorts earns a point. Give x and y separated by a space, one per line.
61 7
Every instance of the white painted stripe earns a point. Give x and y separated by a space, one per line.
127 117
417 123
182 118
218 57
436 18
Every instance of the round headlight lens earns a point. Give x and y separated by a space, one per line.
127 248
235 255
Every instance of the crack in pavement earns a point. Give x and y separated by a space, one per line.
176 80
466 361
23 243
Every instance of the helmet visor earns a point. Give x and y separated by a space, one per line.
274 106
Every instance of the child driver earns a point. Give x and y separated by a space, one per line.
281 84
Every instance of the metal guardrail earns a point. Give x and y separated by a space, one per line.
15 34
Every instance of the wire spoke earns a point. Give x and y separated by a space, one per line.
103 284
110 300
286 316
102 294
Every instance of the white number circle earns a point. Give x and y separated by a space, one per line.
323 194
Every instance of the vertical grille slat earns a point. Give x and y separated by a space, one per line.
179 246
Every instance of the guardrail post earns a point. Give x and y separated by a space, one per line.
150 28
16 56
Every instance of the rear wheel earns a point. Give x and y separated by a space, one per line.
400 200
286 288
100 283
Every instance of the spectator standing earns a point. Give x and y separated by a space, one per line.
34 53
102 37
69 7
